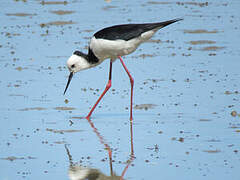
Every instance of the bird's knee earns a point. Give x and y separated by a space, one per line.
109 84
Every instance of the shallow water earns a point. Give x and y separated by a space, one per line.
186 95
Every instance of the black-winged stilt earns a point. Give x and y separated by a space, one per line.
112 43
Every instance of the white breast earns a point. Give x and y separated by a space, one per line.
105 49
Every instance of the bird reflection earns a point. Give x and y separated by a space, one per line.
78 172
131 158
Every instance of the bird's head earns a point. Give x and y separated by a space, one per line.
76 62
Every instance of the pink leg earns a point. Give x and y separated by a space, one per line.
105 144
109 84
132 82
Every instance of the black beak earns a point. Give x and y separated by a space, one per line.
69 80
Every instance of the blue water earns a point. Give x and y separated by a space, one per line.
194 85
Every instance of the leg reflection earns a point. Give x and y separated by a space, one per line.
79 172
132 157
101 139
104 143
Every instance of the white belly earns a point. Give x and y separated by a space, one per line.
104 49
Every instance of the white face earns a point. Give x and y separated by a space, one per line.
77 63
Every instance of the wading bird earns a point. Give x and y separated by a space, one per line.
112 43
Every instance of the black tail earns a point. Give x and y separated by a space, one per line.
166 23
163 24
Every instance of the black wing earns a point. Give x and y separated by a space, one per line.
129 31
